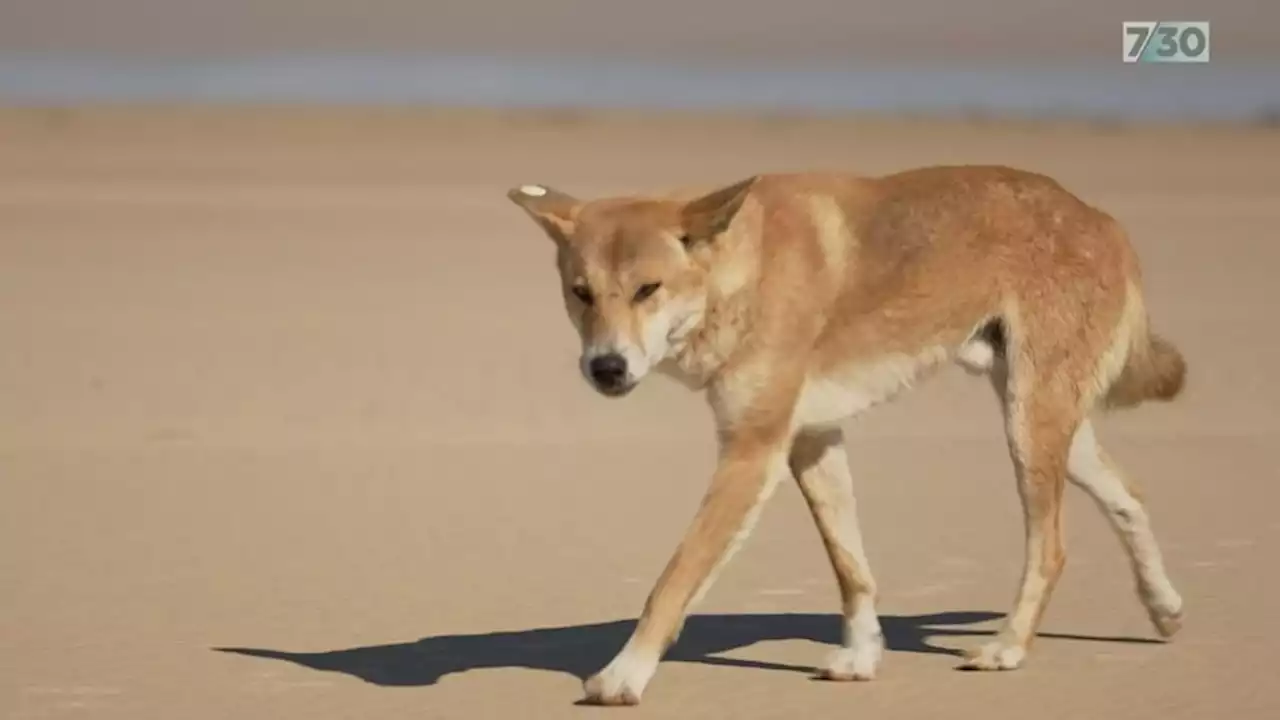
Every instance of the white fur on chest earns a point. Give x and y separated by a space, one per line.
673 370
837 396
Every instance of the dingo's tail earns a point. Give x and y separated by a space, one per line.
1154 370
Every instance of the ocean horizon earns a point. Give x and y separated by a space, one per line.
1101 91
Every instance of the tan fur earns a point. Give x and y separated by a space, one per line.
1155 371
799 300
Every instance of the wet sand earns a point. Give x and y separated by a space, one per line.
290 426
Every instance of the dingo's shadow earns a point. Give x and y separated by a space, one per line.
581 650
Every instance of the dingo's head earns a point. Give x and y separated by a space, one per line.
634 272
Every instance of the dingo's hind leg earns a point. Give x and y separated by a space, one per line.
1044 404
1092 469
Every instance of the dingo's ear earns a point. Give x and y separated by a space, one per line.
553 210
710 215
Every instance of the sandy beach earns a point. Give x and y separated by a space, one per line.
291 426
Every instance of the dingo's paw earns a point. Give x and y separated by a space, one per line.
997 655
1167 620
621 683
855 663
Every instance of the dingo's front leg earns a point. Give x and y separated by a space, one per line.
820 466
749 470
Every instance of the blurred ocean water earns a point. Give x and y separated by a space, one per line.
1107 90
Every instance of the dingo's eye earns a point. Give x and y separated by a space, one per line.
646 290
685 240
582 293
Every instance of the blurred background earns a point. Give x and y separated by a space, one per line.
1037 57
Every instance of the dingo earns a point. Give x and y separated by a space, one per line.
799 300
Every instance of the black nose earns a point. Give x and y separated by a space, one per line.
608 370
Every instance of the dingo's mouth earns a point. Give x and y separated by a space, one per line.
615 391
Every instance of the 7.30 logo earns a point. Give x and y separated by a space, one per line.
1166 42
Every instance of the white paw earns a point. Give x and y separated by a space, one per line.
997 655
622 682
854 663
1166 616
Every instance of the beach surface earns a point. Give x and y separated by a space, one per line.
291 426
